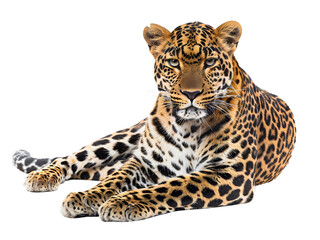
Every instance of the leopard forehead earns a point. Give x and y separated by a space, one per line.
192 34
192 42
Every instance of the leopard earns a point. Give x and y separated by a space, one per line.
210 139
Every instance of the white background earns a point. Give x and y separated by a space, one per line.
74 71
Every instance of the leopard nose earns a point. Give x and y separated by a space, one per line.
191 95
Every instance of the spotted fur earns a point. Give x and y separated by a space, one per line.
210 138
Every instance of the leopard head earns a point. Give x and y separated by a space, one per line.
193 65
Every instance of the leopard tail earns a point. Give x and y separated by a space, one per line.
25 163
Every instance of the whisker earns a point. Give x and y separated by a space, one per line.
203 120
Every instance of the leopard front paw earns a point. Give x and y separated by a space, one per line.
84 204
79 205
43 181
122 209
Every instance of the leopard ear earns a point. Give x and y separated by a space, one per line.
228 35
156 37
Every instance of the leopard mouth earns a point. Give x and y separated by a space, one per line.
192 113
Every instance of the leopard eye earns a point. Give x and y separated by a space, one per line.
210 62
173 62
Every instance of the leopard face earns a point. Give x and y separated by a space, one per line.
193 65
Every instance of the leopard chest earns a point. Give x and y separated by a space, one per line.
168 153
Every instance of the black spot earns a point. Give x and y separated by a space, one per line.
194 128
247 187
143 150
195 179
198 204
270 148
28 161
236 139
185 200
207 193
96 176
89 165
176 193
243 144
211 181
120 147
44 161
111 170
81 156
179 209
162 208
157 157
250 197
246 134
174 129
245 153
175 183
100 142
146 191
119 136
154 178
147 196
254 153
134 139
215 203
148 162
226 72
165 171
221 149
160 198
224 175
213 147
203 159
233 153
238 167
102 153
233 195
175 166
20 166
84 175
170 153
192 188
187 135
249 167
162 131
65 163
215 160
238 181
31 169
225 138
262 133
224 189
172 203
74 168
161 190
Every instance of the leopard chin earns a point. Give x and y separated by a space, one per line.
192 113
